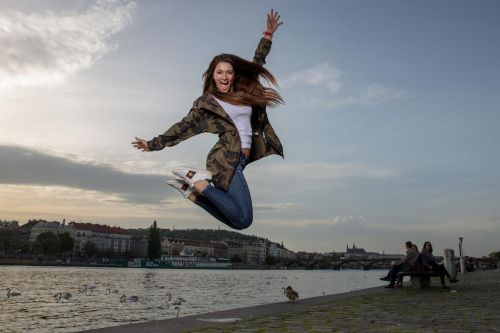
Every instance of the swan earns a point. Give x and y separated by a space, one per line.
64 295
178 310
87 287
10 294
124 299
114 291
177 301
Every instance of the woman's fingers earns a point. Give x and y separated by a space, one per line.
273 20
140 144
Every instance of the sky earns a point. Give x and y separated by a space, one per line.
390 125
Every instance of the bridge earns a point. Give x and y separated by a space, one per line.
369 263
365 263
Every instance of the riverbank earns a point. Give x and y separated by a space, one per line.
471 305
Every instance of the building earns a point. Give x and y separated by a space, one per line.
254 253
166 246
355 253
198 247
104 237
139 247
13 225
277 250
25 230
273 250
234 249
44 226
220 250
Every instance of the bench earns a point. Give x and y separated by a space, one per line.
420 275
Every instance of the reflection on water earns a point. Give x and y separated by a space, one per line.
36 309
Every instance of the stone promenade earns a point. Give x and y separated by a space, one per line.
471 305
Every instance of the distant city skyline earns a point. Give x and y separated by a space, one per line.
390 126
350 245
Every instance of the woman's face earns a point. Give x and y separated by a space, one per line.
224 76
427 246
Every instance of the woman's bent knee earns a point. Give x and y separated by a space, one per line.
243 222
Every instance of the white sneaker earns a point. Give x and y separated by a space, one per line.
192 175
180 186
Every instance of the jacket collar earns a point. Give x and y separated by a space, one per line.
208 102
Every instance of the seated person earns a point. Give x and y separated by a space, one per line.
469 267
430 261
403 265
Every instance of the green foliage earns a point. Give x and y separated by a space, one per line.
270 260
236 259
495 255
8 240
89 249
154 242
47 243
65 242
199 234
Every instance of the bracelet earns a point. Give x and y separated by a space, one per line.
266 33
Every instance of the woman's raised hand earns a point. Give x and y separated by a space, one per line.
273 22
140 144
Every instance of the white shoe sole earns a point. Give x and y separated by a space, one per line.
192 175
180 186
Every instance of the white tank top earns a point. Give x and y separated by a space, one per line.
240 115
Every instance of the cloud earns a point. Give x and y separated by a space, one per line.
323 75
326 84
374 94
24 166
351 220
322 171
276 207
45 49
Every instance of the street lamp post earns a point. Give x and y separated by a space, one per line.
462 260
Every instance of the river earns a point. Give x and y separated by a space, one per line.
36 309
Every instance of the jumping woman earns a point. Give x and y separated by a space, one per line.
233 106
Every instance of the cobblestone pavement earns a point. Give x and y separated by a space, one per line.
471 305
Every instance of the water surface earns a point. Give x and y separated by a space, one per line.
36 310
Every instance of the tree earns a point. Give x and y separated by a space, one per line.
47 243
270 260
8 240
89 249
66 242
236 259
495 255
154 242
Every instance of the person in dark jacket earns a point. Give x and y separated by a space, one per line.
403 265
430 261
233 106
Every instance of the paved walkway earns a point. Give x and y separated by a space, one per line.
471 305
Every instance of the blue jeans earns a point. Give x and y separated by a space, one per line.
234 207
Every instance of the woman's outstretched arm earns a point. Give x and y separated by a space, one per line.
272 24
192 124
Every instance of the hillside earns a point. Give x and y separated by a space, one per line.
198 234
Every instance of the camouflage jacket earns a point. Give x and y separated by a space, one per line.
207 116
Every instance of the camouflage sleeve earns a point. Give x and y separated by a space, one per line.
262 51
192 124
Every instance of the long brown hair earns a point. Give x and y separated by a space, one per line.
430 250
247 89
